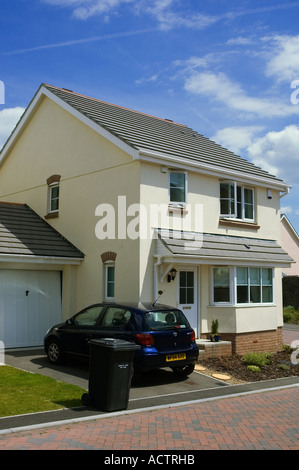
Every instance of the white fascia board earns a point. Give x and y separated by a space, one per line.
206 260
42 92
203 168
39 259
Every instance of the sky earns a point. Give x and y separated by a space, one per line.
228 69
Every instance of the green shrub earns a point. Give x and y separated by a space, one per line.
254 368
284 367
258 359
290 315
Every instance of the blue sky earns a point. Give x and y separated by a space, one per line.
229 69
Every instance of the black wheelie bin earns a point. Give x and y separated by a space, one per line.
110 374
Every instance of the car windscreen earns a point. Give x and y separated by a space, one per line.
165 319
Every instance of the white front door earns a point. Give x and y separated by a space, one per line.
187 296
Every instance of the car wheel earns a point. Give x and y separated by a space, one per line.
183 371
54 351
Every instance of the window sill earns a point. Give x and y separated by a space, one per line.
239 223
177 208
52 215
247 305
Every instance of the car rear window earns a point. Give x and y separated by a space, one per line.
166 319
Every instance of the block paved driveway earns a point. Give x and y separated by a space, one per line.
192 415
265 420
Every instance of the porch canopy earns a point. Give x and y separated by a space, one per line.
206 248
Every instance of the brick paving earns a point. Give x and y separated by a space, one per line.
268 420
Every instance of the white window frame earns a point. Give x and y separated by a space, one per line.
107 266
234 199
51 199
181 203
261 302
233 288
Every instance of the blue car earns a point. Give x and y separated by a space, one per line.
163 333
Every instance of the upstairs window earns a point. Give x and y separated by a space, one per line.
109 281
236 201
54 198
177 187
53 195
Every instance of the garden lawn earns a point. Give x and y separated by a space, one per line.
22 392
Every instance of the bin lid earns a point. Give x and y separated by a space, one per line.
115 343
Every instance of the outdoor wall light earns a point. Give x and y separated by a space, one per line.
171 275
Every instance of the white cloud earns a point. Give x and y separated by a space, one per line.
239 41
283 62
220 88
84 9
8 120
278 153
286 210
236 138
168 18
163 11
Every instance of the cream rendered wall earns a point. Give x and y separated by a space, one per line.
204 190
93 172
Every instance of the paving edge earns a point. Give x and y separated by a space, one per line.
140 410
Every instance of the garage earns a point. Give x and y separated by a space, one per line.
34 260
30 302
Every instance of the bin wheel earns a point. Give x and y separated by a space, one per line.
183 371
85 399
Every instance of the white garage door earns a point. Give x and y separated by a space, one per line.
30 302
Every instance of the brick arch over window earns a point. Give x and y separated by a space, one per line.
108 256
53 179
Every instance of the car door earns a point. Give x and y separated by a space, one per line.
77 332
117 322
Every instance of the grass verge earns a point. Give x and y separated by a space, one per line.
22 392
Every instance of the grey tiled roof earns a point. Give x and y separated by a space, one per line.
145 132
221 248
23 232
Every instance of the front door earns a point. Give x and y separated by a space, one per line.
187 296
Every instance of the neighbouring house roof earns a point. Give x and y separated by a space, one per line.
25 234
221 249
284 219
152 138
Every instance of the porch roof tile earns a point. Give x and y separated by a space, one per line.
25 233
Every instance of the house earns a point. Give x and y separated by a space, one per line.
290 243
149 209
290 279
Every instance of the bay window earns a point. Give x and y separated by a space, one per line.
242 285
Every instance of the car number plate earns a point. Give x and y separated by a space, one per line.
175 357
